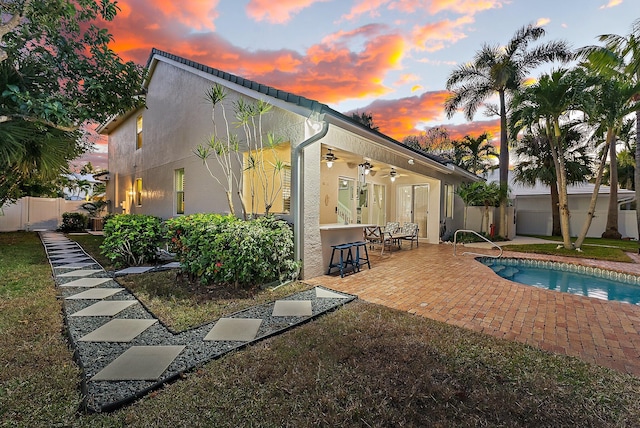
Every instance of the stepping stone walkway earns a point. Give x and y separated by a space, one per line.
123 349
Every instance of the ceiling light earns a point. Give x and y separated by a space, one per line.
393 173
329 158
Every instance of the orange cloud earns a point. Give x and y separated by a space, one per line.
432 37
541 22
612 3
398 118
365 6
467 7
197 14
458 131
277 12
407 78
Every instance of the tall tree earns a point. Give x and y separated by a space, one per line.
613 103
620 57
475 153
554 96
365 118
56 73
535 164
500 70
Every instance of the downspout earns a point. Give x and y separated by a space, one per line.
296 188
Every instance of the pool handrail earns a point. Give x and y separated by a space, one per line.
455 239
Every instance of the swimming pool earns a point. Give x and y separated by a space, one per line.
568 278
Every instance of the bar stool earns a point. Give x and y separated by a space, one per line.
360 259
343 261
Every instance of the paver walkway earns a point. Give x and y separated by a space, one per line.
125 352
430 281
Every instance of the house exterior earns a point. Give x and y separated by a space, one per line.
374 178
532 206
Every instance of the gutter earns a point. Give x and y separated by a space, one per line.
296 188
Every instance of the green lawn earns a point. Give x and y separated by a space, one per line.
623 244
362 365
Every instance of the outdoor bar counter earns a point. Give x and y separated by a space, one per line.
335 234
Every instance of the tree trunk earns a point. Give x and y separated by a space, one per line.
594 196
504 166
230 202
611 230
563 199
555 209
636 176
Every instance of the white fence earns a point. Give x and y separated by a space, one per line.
36 213
529 222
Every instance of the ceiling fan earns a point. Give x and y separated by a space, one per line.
393 174
329 158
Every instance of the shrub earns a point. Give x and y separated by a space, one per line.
74 222
223 249
132 239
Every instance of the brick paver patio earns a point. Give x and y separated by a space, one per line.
430 281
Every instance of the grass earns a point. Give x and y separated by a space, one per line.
588 252
362 365
623 244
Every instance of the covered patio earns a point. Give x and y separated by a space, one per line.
430 281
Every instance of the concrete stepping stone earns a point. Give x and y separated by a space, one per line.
76 265
172 265
83 272
118 330
105 308
328 294
95 294
61 252
86 282
239 329
292 308
134 269
70 260
140 363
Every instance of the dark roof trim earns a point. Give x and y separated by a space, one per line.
288 97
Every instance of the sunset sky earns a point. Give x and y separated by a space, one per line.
388 57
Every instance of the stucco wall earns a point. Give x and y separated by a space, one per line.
176 120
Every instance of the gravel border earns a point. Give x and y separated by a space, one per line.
104 396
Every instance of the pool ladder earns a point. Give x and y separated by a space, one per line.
455 241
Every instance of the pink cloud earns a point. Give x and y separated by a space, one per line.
197 14
437 35
363 7
277 12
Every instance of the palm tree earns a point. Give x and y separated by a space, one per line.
607 114
535 164
544 104
497 70
475 153
620 56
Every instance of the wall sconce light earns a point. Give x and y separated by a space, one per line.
329 158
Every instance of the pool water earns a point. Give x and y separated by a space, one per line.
580 280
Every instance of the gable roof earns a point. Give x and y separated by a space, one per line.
296 100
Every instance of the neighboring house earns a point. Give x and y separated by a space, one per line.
153 169
533 210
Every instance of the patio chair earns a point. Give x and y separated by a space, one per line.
411 232
374 235
392 227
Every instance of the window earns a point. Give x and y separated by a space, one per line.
449 192
179 185
139 132
286 189
138 192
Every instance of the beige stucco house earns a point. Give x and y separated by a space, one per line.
153 168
